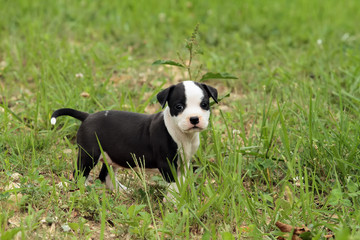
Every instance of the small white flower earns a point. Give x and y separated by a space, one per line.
65 227
3 65
235 131
296 181
162 17
319 42
62 185
79 75
345 37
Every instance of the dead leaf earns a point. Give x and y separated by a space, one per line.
120 78
329 236
15 196
284 227
14 221
18 236
67 151
16 176
11 186
295 231
52 229
85 94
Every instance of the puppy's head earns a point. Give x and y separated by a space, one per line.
189 104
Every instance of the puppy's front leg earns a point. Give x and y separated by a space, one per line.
173 187
183 167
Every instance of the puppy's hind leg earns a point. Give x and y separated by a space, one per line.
85 164
104 175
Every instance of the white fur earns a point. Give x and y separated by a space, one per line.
53 121
181 130
188 143
109 184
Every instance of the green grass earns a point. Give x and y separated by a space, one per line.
283 147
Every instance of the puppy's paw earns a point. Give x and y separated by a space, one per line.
121 187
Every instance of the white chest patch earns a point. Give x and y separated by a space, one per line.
182 128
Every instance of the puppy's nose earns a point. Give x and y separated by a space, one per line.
194 120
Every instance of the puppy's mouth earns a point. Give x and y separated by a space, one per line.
194 129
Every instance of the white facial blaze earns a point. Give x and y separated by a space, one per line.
194 96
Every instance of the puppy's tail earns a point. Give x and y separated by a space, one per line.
69 112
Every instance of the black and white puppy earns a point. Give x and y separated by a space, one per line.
158 140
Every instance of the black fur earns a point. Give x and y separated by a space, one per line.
70 112
114 130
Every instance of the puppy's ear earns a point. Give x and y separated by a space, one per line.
211 91
163 96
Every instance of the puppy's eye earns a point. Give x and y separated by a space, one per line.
179 106
204 105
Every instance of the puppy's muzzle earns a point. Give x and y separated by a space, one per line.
194 120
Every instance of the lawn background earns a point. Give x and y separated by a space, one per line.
283 147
